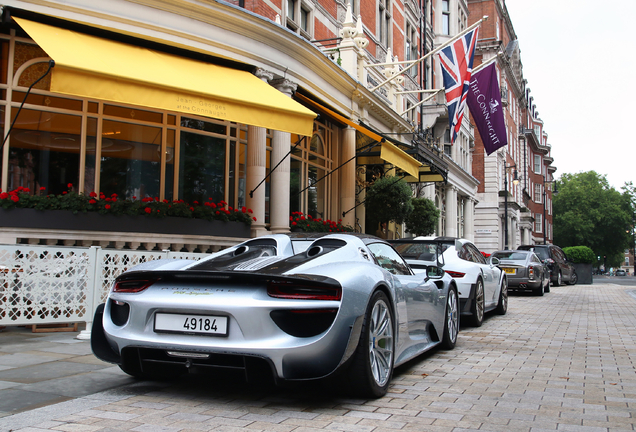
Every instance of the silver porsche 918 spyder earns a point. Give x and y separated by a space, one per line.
294 306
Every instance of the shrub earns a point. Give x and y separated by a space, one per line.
389 199
306 223
580 254
114 205
422 221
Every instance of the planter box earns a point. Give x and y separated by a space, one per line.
93 221
584 273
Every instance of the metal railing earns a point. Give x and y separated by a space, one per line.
41 285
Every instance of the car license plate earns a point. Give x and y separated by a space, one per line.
185 323
510 270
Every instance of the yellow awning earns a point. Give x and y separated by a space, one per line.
425 175
389 152
395 156
92 67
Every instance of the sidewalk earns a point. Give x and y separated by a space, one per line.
562 362
38 369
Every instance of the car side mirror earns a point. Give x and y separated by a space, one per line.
434 272
494 260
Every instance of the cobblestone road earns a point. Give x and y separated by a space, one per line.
564 362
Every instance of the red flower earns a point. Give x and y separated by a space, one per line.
64 193
212 205
92 201
254 217
218 212
15 198
243 209
107 206
293 223
114 195
250 211
148 210
108 200
42 188
92 194
70 185
196 203
191 208
134 197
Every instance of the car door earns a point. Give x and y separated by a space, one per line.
490 272
421 295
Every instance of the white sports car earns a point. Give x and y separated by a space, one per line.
482 285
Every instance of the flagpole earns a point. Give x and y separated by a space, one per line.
486 63
435 51
422 101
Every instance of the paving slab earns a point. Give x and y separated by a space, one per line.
565 361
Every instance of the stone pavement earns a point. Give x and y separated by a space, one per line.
562 362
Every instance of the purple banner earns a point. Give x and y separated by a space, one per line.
484 102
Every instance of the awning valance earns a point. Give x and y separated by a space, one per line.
93 67
389 152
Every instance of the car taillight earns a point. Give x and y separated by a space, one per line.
132 285
298 291
531 272
455 274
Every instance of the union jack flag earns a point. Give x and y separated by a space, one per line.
457 67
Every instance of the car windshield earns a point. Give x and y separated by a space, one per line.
542 253
420 250
511 255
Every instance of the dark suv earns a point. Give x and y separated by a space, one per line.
561 270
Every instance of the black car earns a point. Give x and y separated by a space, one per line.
561 270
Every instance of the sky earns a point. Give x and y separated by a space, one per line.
579 57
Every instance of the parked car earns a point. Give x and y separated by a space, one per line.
482 285
524 271
297 306
621 272
561 269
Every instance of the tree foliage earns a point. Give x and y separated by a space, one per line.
589 212
389 199
423 219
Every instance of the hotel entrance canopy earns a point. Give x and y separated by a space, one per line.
388 152
97 68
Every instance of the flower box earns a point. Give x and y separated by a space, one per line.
93 221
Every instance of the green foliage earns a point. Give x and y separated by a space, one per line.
580 254
389 199
149 207
589 212
306 223
422 221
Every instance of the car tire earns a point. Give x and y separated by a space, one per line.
502 306
372 366
573 279
539 291
558 280
451 321
477 310
546 286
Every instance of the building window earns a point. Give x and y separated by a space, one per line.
298 17
446 17
537 164
354 7
310 163
384 24
411 47
538 222
537 193
537 132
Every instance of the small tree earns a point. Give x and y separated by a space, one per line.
389 199
423 219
